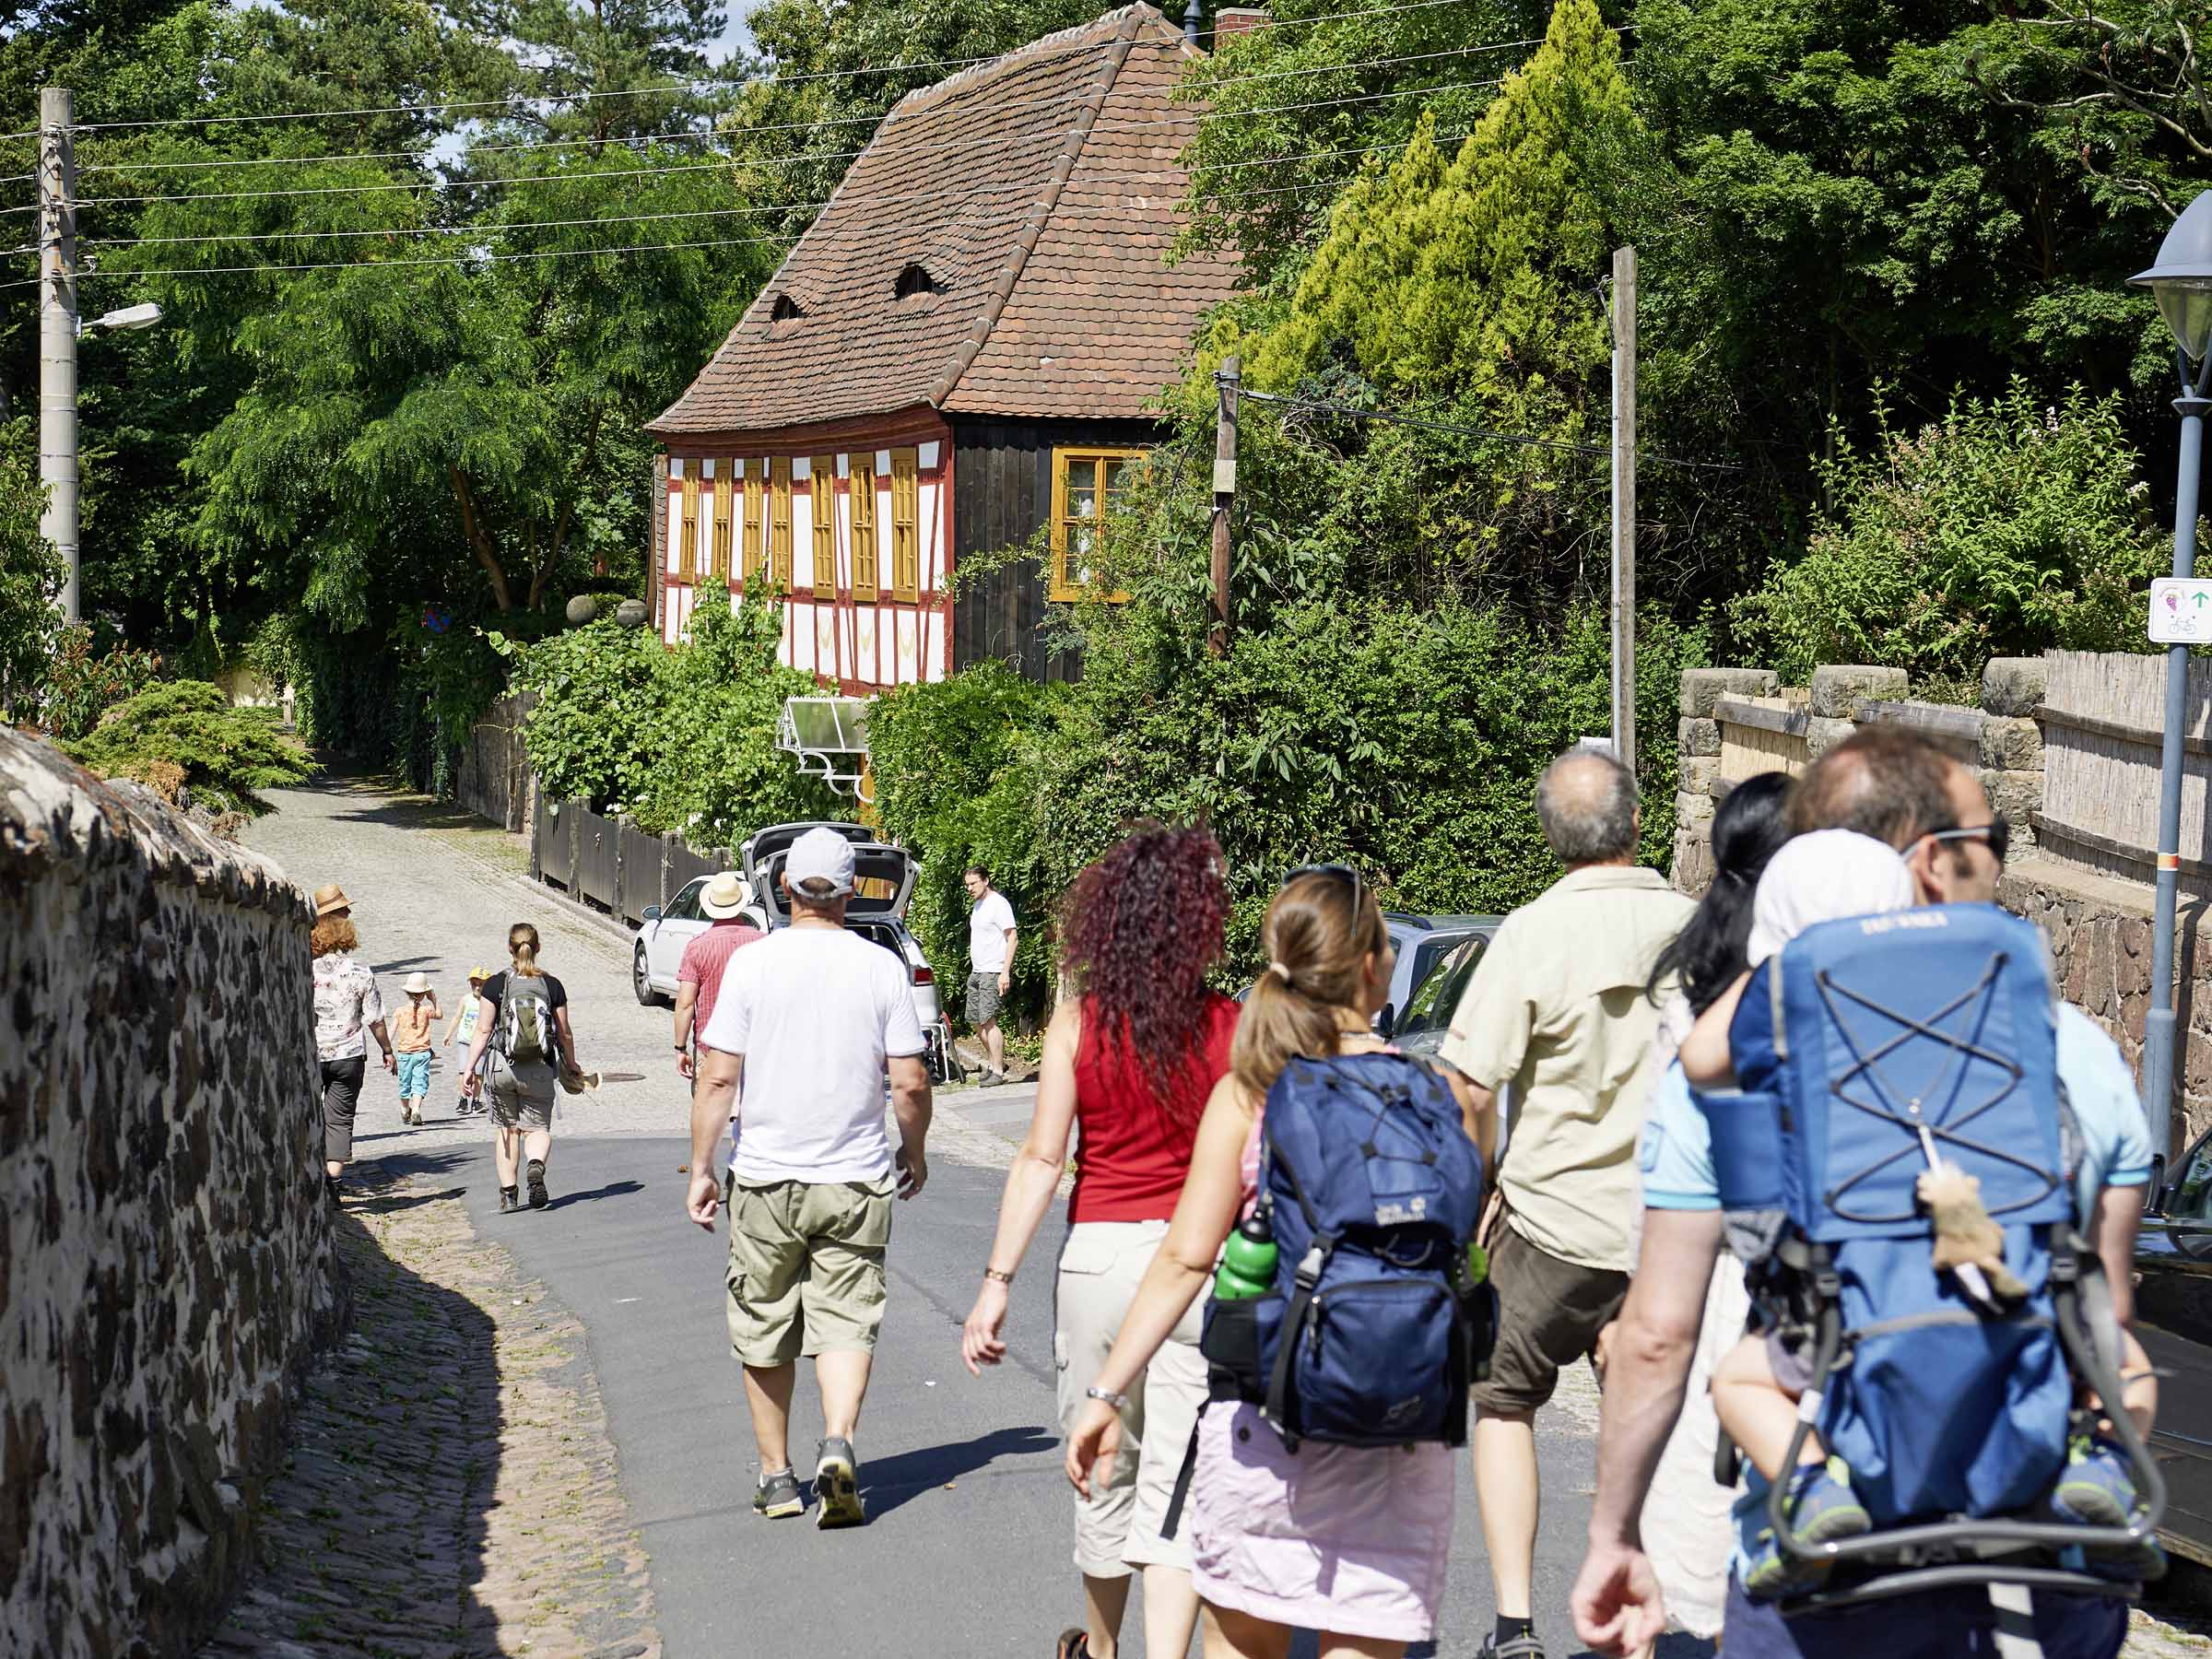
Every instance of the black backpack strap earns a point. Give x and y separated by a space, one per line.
1173 1518
1296 1317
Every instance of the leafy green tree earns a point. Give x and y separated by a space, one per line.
2009 527
30 583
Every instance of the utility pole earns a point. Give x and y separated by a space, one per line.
1624 506
57 335
1227 380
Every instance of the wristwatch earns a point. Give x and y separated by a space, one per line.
1119 1401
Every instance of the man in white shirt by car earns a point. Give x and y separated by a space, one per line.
990 966
810 1019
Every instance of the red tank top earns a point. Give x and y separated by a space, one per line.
1130 1159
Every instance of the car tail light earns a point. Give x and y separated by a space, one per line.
924 975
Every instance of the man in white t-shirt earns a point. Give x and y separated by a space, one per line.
809 1020
990 966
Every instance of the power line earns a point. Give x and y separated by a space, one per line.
484 258
1522 438
489 149
675 86
390 230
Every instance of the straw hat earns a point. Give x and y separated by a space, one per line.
331 902
724 896
418 983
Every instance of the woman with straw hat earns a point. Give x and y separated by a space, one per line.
347 1013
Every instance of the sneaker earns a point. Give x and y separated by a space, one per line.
836 1487
1516 1647
778 1496
332 1191
1822 1509
510 1201
2097 1489
538 1198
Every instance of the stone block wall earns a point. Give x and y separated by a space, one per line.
166 1260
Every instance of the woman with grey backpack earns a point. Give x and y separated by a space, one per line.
523 1044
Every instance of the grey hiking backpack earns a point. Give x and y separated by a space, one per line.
527 1034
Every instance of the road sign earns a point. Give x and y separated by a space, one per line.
2181 611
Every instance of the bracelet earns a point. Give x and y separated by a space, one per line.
992 1273
1119 1401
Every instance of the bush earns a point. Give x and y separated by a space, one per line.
2005 529
80 686
186 733
683 740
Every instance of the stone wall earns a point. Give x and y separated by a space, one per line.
166 1260
1735 722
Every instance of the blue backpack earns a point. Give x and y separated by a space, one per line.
1867 1048
1374 1328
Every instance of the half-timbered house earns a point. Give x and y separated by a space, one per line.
958 352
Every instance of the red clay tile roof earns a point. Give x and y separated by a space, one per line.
1037 192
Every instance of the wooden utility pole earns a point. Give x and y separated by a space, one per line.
1227 380
1624 506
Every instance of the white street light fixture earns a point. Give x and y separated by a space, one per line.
143 315
2181 280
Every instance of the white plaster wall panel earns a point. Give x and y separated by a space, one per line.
908 668
801 633
676 514
865 666
826 654
933 653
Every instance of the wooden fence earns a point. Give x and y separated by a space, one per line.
1762 734
491 774
2102 716
611 864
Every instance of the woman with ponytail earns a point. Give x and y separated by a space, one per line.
522 1019
1349 1541
1130 1060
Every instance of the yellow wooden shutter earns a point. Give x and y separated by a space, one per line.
863 484
906 527
723 525
756 522
824 471
779 521
687 535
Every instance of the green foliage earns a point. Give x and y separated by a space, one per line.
952 783
683 740
82 683
30 583
186 732
2008 527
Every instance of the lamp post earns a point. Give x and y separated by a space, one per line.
2182 283
57 421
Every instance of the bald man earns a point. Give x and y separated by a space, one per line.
1558 1009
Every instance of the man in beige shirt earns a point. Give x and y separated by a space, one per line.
1561 1009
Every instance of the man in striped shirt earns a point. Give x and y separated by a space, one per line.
698 976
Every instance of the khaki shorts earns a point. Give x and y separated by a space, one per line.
520 1099
1100 1266
807 1267
1549 1312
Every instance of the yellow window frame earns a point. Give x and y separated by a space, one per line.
687 529
823 474
1062 582
723 527
863 488
779 521
756 521
906 525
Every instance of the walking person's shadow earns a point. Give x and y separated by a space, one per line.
890 1482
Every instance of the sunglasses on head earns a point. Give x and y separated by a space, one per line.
1340 872
1997 832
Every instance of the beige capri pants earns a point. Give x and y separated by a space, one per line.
1100 1266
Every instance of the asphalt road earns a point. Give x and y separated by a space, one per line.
968 1551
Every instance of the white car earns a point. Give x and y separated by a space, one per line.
659 952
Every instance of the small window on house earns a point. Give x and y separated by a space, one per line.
783 309
864 527
915 278
1085 484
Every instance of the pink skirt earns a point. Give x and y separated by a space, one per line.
1349 1540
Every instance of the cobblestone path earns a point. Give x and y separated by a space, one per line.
451 1490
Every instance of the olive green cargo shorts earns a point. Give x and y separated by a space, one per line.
807 1267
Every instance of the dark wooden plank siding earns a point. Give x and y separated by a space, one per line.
1002 496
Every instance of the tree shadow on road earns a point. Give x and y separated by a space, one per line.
890 1482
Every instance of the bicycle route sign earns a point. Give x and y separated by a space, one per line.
2181 611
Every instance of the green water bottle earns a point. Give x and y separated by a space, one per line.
1478 1263
1248 1263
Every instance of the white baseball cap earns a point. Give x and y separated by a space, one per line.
820 855
1824 877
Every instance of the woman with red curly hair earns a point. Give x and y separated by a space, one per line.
1130 1060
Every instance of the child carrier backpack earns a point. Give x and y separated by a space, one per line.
527 1034
1868 1050
1374 1324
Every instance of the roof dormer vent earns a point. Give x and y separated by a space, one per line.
784 307
914 277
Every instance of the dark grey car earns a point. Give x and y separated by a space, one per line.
2173 1320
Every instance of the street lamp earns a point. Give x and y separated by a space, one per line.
60 328
144 315
2182 283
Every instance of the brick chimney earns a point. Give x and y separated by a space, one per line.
1235 20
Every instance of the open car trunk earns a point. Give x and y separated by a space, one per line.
883 875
